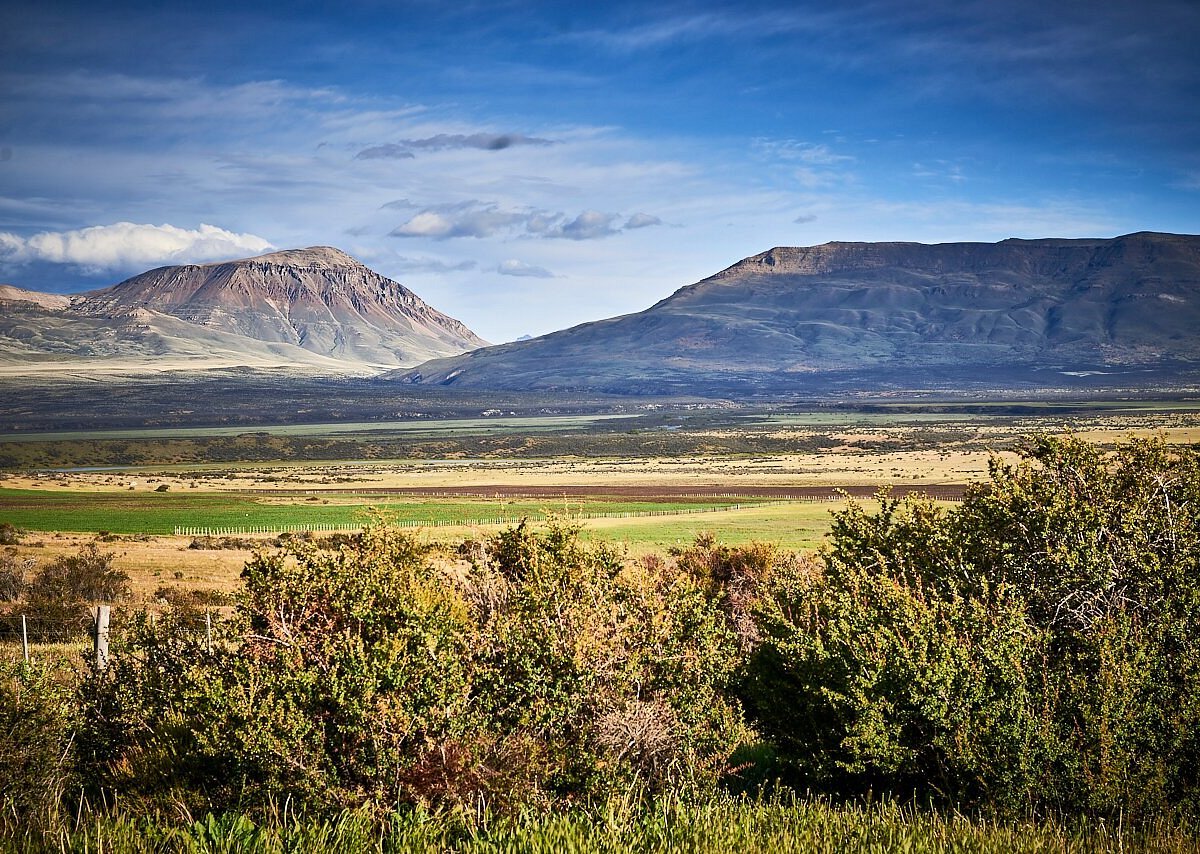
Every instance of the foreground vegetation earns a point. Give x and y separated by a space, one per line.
778 825
1032 652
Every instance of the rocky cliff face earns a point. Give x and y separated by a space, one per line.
792 314
314 307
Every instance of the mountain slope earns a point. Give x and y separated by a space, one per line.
314 307
792 315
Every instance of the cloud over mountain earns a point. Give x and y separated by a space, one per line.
127 245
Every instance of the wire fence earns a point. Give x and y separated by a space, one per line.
91 626
40 628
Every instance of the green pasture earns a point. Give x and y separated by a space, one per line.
798 526
160 513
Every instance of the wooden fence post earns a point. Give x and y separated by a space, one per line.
208 630
101 639
24 639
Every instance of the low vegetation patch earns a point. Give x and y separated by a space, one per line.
1032 652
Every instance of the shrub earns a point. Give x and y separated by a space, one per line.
88 576
12 576
36 731
1037 646
545 672
10 534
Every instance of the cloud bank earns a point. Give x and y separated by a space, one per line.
129 246
486 219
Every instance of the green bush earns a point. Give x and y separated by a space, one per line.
1038 646
36 731
88 576
546 671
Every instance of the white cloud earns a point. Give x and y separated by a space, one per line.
464 219
426 224
589 225
641 220
513 267
128 246
487 219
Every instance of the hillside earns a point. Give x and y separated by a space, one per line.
803 317
309 308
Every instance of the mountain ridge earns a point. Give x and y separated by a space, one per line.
807 312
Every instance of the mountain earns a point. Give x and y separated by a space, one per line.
876 314
316 307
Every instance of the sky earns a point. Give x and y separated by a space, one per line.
528 166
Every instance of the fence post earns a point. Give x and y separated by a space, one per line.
208 630
24 639
101 640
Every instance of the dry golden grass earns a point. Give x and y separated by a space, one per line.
149 562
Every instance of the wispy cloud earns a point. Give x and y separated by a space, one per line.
941 170
448 141
793 150
699 26
126 246
431 265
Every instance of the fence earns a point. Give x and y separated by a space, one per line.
96 626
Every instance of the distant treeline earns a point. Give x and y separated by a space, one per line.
263 447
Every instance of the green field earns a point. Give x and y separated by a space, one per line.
794 526
161 513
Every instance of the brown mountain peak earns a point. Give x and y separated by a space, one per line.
314 257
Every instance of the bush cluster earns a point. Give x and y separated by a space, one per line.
1038 646
56 596
1035 648
544 671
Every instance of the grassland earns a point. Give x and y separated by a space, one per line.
163 512
208 478
209 473
782 826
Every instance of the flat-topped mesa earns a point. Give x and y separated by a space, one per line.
1043 256
1028 308
314 257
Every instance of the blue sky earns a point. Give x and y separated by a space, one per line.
529 166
